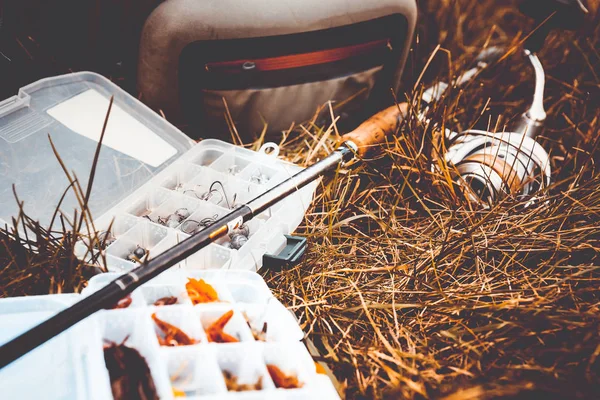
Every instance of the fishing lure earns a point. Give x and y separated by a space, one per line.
173 336
211 193
174 220
200 292
231 381
192 226
259 178
281 380
215 331
130 377
123 303
166 301
137 254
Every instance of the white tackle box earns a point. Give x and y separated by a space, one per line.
72 365
147 170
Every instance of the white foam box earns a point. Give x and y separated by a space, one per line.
72 365
146 170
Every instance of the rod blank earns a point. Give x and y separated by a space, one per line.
109 295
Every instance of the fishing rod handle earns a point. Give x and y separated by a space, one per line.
377 129
381 126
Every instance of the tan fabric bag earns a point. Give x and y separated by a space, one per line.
273 62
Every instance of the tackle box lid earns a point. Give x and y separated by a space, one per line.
68 111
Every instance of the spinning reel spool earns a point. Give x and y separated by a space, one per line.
490 166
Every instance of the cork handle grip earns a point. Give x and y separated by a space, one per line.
377 129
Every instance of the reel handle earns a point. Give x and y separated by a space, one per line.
377 129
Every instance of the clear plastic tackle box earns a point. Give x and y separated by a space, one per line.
147 170
72 365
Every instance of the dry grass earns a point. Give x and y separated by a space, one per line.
37 259
410 293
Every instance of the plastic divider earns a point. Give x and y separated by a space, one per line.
180 175
231 163
193 371
213 256
245 363
206 156
146 201
249 292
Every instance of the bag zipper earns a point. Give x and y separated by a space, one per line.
298 60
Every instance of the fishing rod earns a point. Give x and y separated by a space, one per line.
354 145
477 158
475 168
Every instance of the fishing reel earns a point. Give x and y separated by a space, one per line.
491 165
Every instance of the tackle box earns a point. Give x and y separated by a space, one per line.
72 364
147 170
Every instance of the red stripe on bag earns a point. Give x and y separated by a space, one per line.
298 60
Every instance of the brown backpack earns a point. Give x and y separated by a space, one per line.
273 62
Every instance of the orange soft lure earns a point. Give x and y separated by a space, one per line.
200 292
166 301
282 380
173 336
123 303
215 331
